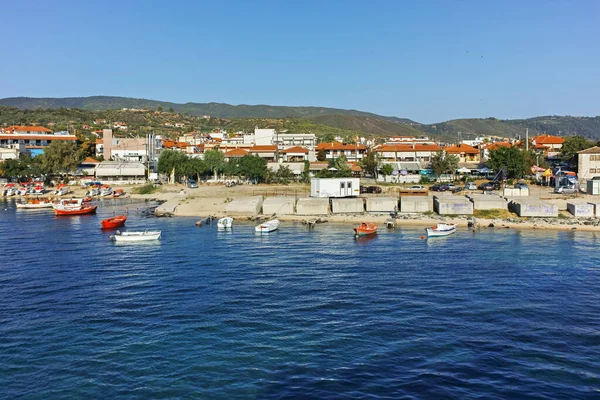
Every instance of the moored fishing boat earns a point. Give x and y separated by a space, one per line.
131 236
365 229
73 207
118 193
225 223
114 222
440 230
267 227
35 204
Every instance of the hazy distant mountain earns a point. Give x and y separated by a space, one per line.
219 110
347 120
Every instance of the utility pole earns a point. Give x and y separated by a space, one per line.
527 139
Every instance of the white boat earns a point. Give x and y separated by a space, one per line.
225 223
440 230
131 236
35 204
267 227
63 191
106 192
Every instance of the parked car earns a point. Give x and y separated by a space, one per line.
192 184
438 187
370 189
451 187
521 185
565 190
470 186
417 187
458 189
492 185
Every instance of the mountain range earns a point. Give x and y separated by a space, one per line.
347 120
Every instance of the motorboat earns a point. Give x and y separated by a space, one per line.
440 230
114 222
365 229
106 191
390 223
267 227
118 193
35 204
73 207
225 223
131 236
62 190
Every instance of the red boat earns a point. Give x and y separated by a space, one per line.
365 229
73 207
86 209
114 222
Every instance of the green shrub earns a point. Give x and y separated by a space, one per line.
146 189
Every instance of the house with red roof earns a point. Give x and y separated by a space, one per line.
464 152
294 154
549 145
34 138
484 149
352 152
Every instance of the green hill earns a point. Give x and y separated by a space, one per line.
373 126
218 110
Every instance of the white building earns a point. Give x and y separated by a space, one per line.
588 163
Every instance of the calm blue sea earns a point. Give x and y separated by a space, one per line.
496 314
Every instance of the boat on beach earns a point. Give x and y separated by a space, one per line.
440 230
225 223
132 236
73 207
114 222
118 193
267 227
365 229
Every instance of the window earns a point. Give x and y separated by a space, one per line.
592 170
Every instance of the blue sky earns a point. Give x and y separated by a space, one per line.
425 60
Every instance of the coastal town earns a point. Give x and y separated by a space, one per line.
270 173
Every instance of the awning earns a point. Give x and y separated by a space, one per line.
407 166
463 170
484 170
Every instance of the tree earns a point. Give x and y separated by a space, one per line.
321 155
12 168
512 158
195 167
253 167
159 108
386 170
171 110
441 162
61 157
571 146
305 176
284 174
172 162
215 161
370 163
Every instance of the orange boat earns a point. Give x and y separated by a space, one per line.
365 229
73 207
114 222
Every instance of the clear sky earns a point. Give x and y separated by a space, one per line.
425 60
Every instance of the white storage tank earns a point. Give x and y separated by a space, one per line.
334 187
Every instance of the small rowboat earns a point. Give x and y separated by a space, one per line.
85 209
114 222
118 193
135 236
267 227
225 223
440 230
365 229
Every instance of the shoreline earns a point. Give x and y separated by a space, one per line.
212 200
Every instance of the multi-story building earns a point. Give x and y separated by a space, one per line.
466 154
352 152
35 138
550 145
588 163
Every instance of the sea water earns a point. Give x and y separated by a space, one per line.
297 313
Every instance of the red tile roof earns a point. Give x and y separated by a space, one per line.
90 160
263 148
23 128
461 148
497 145
340 146
37 137
399 148
547 139
236 153
296 149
